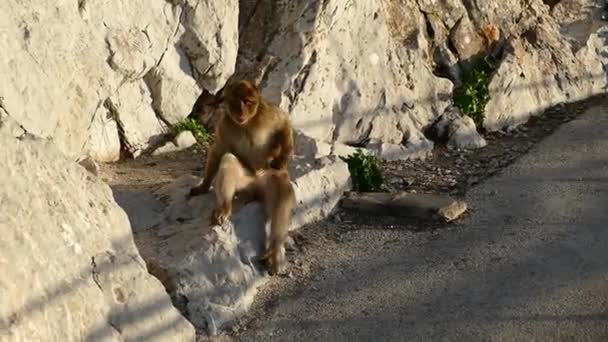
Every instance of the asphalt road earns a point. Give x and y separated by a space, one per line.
529 263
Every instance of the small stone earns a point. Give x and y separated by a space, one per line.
184 140
90 165
473 181
453 211
290 244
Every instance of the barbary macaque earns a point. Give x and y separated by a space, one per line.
252 148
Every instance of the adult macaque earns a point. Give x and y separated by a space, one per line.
252 148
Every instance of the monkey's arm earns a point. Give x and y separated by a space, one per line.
211 166
284 141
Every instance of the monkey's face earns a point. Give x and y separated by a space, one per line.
243 100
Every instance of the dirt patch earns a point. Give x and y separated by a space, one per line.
149 173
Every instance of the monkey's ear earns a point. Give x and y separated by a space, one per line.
251 85
255 86
221 94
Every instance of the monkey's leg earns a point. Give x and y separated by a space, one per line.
231 178
211 167
279 200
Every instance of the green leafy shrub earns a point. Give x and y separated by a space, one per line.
473 95
198 130
364 171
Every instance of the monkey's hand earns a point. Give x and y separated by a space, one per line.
280 162
260 172
203 188
221 214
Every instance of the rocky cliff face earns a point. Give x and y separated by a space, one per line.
99 78
70 269
107 79
358 73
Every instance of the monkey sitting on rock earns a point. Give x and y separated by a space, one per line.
252 149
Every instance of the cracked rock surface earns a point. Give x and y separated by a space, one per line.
70 268
140 56
372 74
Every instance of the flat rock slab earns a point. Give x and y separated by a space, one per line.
422 206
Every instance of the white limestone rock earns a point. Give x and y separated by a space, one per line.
173 86
419 148
10 126
70 267
540 70
214 268
103 143
341 73
61 60
457 131
138 124
210 39
89 165
182 141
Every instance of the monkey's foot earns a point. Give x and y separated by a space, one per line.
220 215
274 258
260 172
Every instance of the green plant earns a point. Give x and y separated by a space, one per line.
364 171
473 95
198 130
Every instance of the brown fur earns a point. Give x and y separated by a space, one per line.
272 187
252 149
258 133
